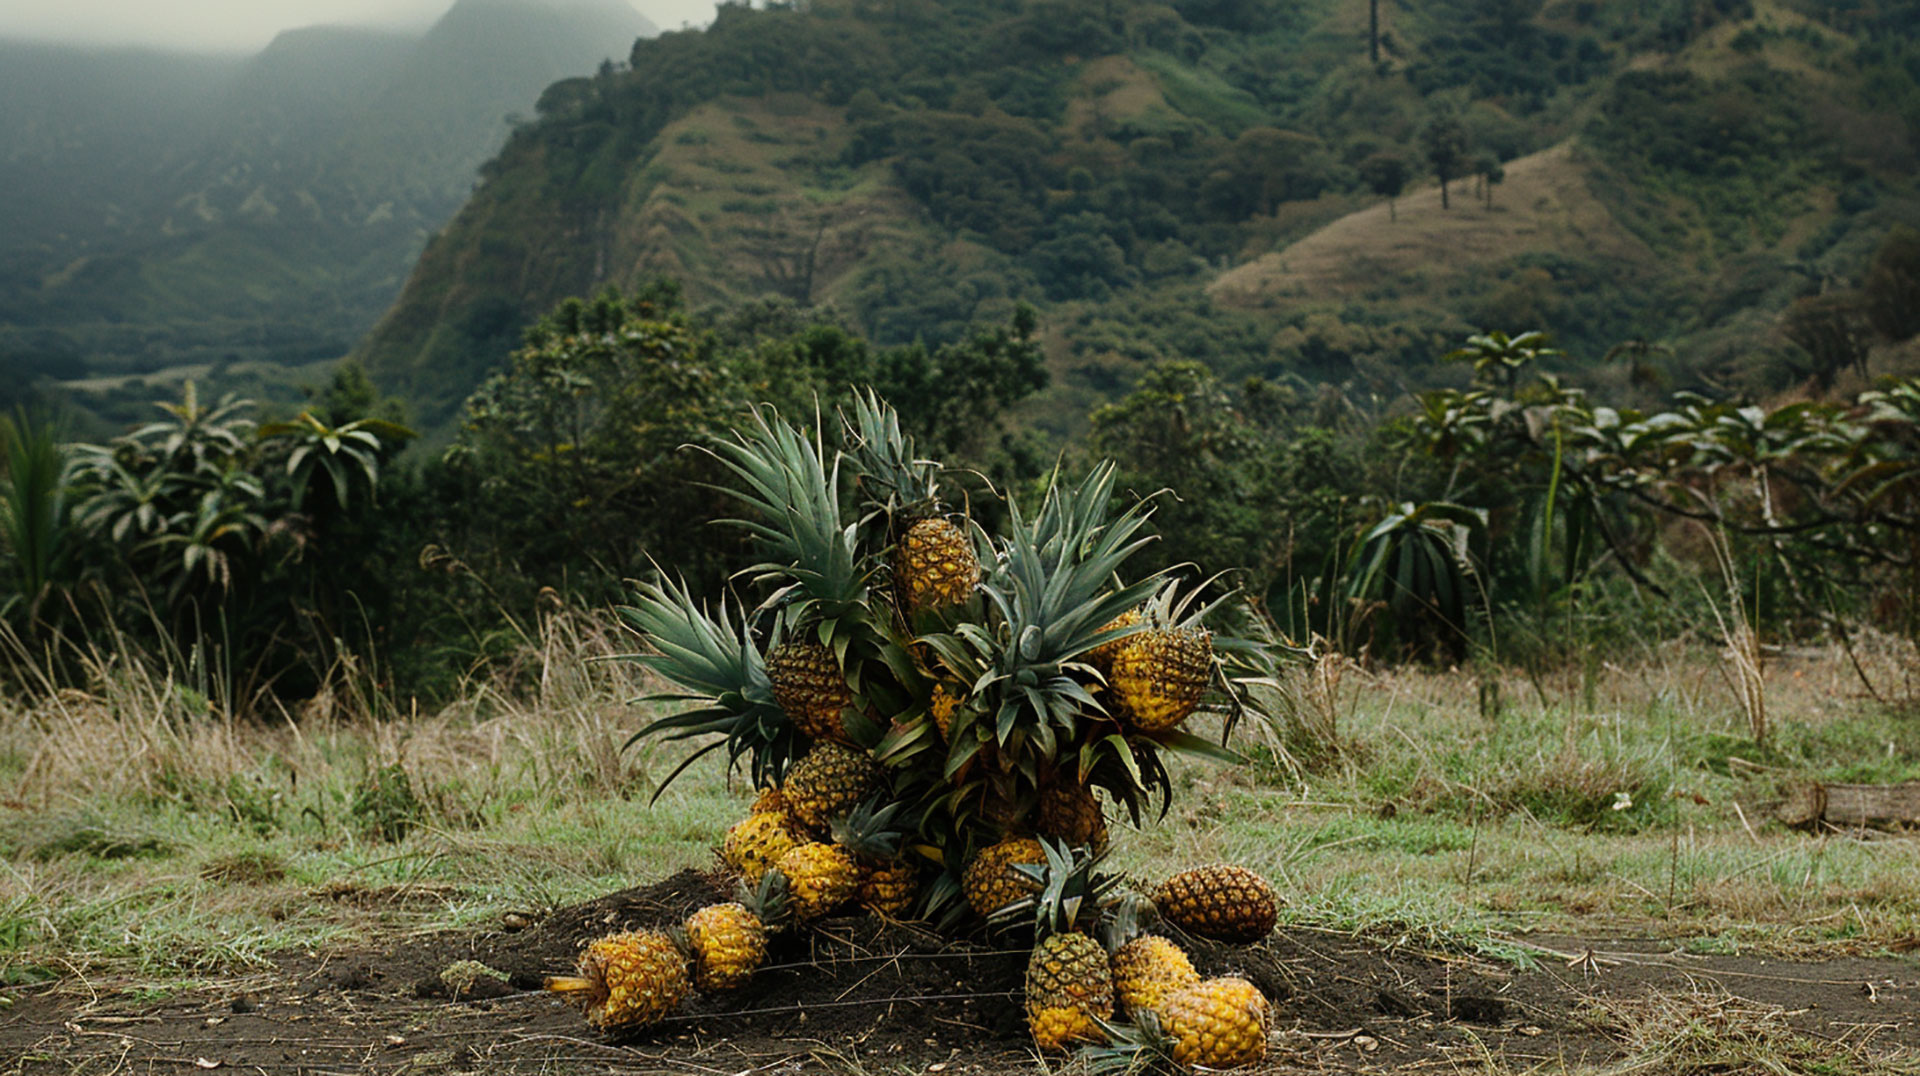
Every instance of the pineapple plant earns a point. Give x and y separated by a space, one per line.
768 800
828 782
1160 675
627 980
935 565
728 942
754 844
934 562
820 877
1222 901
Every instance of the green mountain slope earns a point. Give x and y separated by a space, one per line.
263 211
1158 178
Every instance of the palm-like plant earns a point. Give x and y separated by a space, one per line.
33 507
1498 358
194 435
349 454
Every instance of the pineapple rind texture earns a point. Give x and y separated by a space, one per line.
829 781
888 890
1160 676
935 565
1219 1023
1068 986
756 843
1069 811
729 943
1147 970
1222 901
990 882
809 686
820 876
639 976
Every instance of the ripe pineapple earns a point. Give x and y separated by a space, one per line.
1219 1023
627 980
757 843
820 877
1147 969
1101 657
935 565
1068 989
1222 901
1160 675
827 782
809 686
888 884
1069 811
768 801
728 943
990 881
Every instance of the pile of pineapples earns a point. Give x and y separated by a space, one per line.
933 716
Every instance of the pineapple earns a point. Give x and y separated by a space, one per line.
809 686
827 782
820 877
1069 811
935 565
1160 675
990 881
754 845
729 941
1101 657
1222 901
1147 969
768 801
888 884
1219 1023
627 980
1068 989
945 701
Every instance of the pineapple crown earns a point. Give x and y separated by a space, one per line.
1074 893
892 480
1140 1046
716 663
766 899
1131 916
795 491
869 830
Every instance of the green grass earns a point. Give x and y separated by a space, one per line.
146 843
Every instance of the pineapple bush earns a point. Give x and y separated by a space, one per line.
934 716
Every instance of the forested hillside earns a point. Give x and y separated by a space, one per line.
229 216
1677 172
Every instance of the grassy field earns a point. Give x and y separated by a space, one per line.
151 844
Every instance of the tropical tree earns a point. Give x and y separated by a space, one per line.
349 453
1445 141
1386 174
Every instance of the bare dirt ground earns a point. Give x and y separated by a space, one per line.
859 995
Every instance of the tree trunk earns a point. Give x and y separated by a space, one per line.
1392 214
1443 193
1373 31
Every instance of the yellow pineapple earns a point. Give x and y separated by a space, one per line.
757 843
1160 675
627 980
990 881
1221 901
889 889
729 943
768 801
1068 989
1148 968
935 565
820 878
945 701
1101 657
1219 1023
828 782
810 688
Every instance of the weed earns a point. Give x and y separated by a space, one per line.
384 803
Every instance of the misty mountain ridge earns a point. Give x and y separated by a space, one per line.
170 208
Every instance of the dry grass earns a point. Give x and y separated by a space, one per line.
1717 1034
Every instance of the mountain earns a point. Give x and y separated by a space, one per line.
1205 180
171 212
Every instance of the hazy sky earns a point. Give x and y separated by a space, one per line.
246 25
